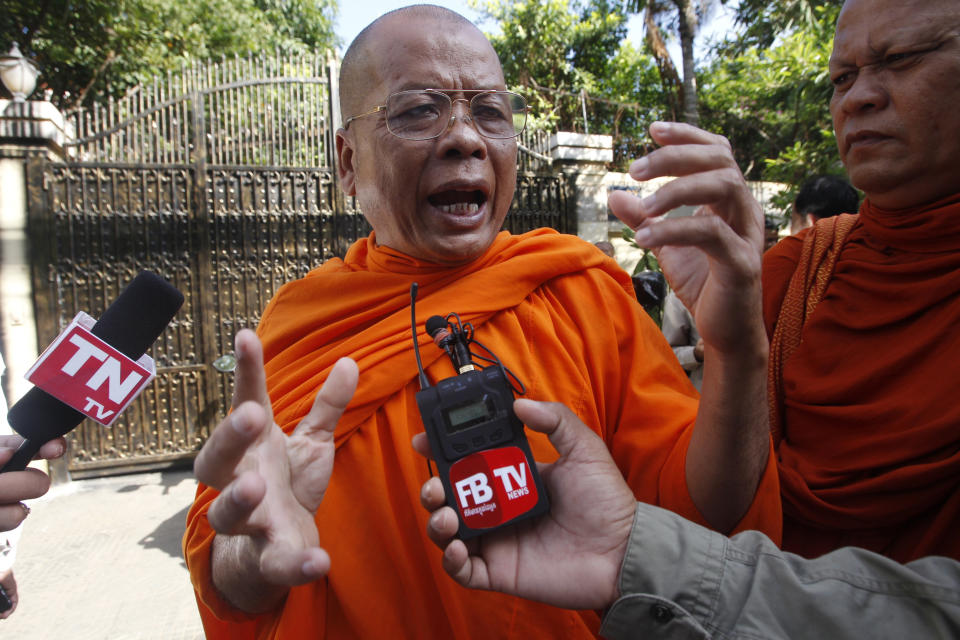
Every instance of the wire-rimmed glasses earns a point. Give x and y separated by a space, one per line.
423 114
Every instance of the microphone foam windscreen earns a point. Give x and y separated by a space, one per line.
435 324
139 314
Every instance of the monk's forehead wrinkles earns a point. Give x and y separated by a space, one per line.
443 64
901 37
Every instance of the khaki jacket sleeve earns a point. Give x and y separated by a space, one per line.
680 580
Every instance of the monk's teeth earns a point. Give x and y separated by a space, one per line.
459 207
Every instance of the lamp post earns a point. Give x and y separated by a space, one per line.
19 74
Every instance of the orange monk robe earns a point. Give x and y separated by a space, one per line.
560 315
871 455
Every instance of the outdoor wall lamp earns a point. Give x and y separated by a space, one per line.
19 74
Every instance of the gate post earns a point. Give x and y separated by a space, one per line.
583 159
31 132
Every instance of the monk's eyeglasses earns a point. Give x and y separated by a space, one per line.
424 114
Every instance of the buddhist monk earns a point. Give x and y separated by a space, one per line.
863 360
283 543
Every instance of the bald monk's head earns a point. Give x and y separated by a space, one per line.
428 143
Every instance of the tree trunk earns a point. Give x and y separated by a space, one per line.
687 26
669 77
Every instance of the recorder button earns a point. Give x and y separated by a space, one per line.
479 441
459 447
496 436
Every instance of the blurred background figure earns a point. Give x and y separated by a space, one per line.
681 332
822 197
771 232
650 288
606 247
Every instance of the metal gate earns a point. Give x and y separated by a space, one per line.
222 180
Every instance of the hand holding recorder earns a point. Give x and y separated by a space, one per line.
569 557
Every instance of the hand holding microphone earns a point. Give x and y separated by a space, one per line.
128 326
23 485
569 557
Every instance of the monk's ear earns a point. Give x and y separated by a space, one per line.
346 170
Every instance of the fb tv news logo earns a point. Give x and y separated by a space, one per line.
83 371
493 487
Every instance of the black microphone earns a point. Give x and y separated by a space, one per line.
437 329
130 325
450 340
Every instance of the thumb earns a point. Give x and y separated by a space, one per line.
568 434
333 398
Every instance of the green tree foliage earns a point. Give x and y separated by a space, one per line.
773 105
763 21
568 57
88 48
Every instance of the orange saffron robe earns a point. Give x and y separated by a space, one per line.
560 315
871 449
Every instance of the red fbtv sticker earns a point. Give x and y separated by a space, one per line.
493 487
83 371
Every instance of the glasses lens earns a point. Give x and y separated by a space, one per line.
499 114
417 115
421 115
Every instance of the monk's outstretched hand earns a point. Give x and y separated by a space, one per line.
271 484
569 557
712 258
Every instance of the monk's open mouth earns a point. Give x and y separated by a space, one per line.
458 202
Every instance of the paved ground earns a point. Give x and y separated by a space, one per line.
100 559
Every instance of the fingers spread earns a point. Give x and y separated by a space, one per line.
708 233
229 512
217 461
250 381
722 188
332 399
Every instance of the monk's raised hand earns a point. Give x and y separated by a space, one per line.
711 259
569 557
271 484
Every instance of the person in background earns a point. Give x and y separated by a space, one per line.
681 333
771 232
820 197
606 247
